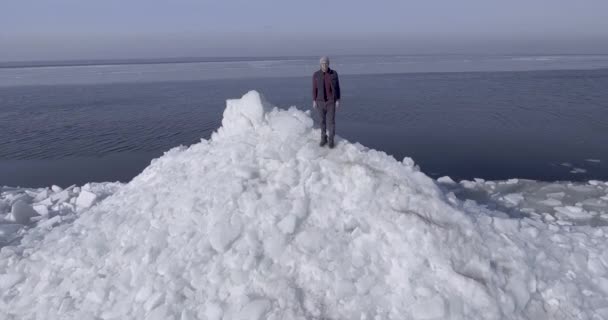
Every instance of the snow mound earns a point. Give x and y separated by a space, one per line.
259 222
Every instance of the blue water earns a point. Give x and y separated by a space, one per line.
540 124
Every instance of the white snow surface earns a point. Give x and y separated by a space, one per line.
259 222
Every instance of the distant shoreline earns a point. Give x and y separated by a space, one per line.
180 60
97 62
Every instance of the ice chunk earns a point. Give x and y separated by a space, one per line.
446 180
41 195
60 197
514 198
594 203
21 212
519 288
9 232
46 202
429 308
143 293
7 229
154 301
41 209
551 202
573 212
410 163
556 195
242 115
344 289
289 125
582 188
468 184
86 199
602 283
223 233
254 310
4 206
47 224
274 245
288 224
213 311
159 313
311 240
7 281
578 170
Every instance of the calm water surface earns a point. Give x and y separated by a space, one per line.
545 125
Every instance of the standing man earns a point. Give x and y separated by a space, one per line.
326 99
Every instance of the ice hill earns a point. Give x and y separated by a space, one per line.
259 222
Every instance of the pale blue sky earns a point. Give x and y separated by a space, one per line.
102 29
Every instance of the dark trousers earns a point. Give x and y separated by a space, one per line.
327 118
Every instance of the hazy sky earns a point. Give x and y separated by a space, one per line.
101 29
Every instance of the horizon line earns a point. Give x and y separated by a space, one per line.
11 64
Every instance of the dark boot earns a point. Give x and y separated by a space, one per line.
331 143
323 141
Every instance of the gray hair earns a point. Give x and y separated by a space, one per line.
324 59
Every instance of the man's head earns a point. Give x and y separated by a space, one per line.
324 61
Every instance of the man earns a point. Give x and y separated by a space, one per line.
326 99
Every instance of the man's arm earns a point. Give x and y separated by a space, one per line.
314 87
337 87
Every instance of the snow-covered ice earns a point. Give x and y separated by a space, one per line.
568 202
259 222
34 211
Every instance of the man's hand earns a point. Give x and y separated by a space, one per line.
314 104
337 104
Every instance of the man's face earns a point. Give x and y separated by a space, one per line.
324 66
